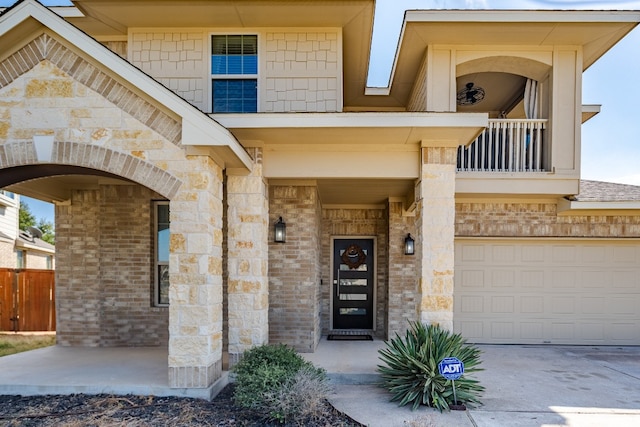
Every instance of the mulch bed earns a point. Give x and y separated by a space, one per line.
108 410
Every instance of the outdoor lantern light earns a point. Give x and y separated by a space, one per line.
409 245
280 229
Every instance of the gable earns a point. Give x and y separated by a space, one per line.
45 47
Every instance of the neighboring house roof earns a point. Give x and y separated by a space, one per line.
27 241
602 196
599 191
5 237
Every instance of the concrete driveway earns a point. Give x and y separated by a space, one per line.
525 386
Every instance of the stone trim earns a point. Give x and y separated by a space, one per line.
194 376
439 155
94 157
45 47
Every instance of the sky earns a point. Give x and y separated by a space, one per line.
610 140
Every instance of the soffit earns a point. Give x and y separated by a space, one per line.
595 31
353 129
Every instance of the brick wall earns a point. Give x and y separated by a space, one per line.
294 268
537 219
355 222
8 257
404 293
38 260
104 278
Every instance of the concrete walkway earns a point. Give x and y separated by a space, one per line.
525 385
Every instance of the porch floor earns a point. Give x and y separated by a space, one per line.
143 370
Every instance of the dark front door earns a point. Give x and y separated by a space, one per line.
353 283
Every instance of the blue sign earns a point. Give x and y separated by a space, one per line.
451 368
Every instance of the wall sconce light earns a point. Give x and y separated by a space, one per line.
409 245
280 229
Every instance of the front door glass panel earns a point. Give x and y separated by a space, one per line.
353 283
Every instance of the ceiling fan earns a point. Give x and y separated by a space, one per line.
470 95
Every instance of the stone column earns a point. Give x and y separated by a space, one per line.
435 223
195 267
247 263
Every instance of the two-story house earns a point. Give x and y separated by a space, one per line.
223 176
19 248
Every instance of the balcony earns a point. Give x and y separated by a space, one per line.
507 145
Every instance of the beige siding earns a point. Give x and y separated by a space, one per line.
302 72
176 59
299 71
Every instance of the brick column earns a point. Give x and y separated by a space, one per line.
195 267
247 263
403 285
435 223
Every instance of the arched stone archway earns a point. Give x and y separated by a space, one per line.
85 118
68 158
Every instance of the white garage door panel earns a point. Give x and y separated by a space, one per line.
548 291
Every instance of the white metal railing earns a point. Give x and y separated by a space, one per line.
507 145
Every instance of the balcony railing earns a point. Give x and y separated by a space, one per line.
507 145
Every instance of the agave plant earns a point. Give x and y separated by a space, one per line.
411 370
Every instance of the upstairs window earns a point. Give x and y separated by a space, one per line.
234 73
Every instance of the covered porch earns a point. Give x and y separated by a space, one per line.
143 370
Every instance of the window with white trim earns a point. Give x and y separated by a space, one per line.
234 73
161 253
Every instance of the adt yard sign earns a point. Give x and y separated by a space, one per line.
451 368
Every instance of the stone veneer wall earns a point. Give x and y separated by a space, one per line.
98 123
356 222
435 216
104 280
404 292
294 268
247 254
537 219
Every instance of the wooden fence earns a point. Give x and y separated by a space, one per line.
27 300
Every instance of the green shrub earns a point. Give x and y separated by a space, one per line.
276 382
411 371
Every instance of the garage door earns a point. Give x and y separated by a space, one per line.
548 291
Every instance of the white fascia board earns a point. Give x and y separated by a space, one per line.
33 247
566 206
211 133
351 120
195 134
538 16
377 91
